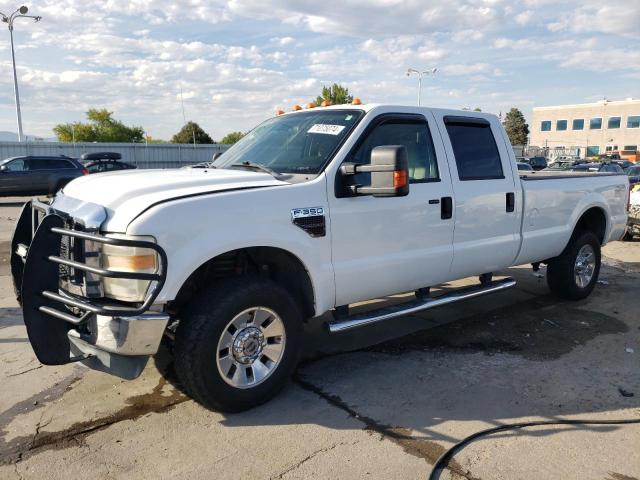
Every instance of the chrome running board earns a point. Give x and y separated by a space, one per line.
465 293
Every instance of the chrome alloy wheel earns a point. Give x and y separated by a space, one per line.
251 347
585 266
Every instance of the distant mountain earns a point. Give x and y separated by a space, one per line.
13 137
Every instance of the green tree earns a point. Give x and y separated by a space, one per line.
336 94
101 127
516 127
477 109
231 138
189 131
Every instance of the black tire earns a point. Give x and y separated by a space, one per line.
202 326
561 276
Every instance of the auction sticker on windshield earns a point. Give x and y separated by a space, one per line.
326 129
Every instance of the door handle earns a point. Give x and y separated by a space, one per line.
446 208
434 201
511 201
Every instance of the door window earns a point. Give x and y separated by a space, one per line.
475 150
414 135
49 164
19 165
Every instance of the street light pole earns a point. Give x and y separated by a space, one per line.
420 74
9 19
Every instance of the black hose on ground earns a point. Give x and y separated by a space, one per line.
444 459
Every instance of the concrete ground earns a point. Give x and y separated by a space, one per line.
380 403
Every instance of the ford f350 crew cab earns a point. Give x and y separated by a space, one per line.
310 212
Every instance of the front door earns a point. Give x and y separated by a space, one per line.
487 203
14 177
382 246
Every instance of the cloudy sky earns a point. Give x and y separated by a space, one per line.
237 61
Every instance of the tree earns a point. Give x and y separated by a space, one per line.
102 127
516 127
231 138
189 131
336 94
477 109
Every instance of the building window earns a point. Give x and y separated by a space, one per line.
631 147
611 148
545 126
578 124
593 150
561 125
614 122
633 121
595 124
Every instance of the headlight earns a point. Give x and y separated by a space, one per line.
127 259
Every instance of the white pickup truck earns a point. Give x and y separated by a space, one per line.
310 212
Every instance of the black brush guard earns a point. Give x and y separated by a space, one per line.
49 311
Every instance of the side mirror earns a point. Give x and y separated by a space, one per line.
389 170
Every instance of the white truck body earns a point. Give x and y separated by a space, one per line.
369 246
198 214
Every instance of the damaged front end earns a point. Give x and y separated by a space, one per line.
60 272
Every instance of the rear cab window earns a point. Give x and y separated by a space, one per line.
474 147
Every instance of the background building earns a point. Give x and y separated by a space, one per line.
587 129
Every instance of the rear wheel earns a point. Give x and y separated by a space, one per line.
238 344
574 273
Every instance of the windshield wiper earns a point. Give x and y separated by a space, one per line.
254 166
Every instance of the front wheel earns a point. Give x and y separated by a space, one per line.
574 273
238 344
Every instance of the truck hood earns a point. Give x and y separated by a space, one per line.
126 194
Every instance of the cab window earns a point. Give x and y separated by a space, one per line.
414 135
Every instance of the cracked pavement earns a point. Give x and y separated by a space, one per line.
378 403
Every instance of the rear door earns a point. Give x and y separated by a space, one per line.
382 246
487 216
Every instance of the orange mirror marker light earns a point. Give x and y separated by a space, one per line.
400 178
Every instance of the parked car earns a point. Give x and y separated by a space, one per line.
597 167
307 214
630 155
634 174
37 175
104 162
606 157
633 223
523 166
538 163
624 164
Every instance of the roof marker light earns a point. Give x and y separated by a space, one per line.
279 112
356 101
326 103
311 105
296 107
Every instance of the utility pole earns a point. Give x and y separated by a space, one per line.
9 19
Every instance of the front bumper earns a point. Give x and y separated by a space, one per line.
48 258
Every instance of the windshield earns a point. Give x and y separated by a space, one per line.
298 143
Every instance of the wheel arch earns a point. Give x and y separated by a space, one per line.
275 263
593 219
